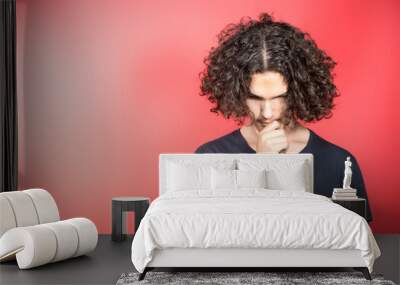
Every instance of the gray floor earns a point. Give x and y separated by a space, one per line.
110 260
389 262
102 266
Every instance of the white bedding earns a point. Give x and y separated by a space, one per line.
250 218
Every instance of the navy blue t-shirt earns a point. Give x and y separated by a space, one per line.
328 162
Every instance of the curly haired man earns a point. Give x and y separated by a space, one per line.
271 77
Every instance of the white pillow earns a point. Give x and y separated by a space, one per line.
282 174
251 178
184 177
223 179
227 179
291 180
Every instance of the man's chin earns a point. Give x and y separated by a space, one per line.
260 126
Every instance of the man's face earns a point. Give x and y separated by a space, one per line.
267 98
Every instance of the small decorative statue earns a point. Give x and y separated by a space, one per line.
347 174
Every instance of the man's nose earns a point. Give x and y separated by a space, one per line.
266 110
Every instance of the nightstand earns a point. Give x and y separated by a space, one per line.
121 205
357 205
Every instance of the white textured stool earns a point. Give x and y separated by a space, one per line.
31 232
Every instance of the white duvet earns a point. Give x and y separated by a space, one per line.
251 218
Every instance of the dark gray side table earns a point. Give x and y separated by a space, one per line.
357 205
121 205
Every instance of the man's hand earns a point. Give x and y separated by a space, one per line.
271 139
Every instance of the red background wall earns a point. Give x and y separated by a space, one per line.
104 86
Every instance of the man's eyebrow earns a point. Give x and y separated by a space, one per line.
262 98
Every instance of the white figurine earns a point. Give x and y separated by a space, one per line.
347 174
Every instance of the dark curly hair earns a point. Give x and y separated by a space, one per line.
256 46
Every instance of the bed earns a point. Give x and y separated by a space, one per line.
247 210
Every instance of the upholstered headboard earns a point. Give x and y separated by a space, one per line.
281 164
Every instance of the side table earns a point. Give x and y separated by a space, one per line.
357 205
121 205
